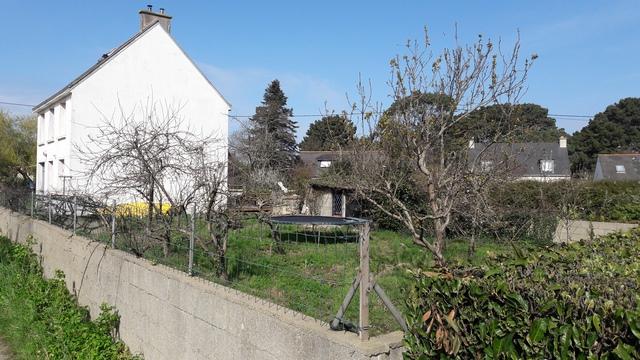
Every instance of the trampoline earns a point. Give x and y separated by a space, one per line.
316 220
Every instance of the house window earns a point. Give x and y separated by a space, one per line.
61 168
51 124
546 166
620 169
325 163
49 184
41 129
486 165
62 121
40 177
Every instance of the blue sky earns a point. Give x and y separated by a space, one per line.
589 51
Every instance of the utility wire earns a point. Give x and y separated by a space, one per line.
572 117
15 104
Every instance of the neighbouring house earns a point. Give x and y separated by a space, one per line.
525 161
322 199
617 167
149 67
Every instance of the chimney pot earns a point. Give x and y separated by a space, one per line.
148 18
563 142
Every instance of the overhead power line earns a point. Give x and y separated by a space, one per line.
572 117
569 117
15 104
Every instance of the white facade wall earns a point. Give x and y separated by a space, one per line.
54 147
150 70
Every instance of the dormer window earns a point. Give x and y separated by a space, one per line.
546 166
620 169
486 165
325 163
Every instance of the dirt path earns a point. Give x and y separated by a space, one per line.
5 354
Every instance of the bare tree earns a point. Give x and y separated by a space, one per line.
145 154
418 144
210 188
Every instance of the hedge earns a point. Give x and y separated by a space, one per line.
577 301
538 205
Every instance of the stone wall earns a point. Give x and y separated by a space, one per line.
168 315
576 230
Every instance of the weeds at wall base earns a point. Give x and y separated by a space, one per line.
40 319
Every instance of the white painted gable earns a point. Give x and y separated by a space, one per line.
150 68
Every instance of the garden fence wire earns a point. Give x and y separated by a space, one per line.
304 268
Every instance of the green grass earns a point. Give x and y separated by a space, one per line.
39 319
316 267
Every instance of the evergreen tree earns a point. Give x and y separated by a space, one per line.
518 123
617 129
273 131
333 132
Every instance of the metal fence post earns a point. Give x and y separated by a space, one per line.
113 226
364 282
75 213
49 208
33 200
192 239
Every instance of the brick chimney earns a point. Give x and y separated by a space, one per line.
148 17
563 142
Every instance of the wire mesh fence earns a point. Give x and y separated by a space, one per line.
307 268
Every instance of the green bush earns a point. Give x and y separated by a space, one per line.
578 301
41 320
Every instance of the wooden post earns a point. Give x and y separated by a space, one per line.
49 208
33 201
192 240
113 226
75 213
364 282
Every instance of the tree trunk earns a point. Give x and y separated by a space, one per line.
221 266
438 245
472 244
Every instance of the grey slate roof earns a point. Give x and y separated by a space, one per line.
312 159
527 156
606 167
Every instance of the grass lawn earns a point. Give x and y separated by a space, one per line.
316 267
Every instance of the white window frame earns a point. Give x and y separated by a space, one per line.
61 122
547 166
51 124
486 165
620 169
41 129
324 164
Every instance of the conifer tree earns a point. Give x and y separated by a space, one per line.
272 130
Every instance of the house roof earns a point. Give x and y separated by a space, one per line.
527 156
105 58
312 160
608 162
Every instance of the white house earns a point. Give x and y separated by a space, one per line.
149 65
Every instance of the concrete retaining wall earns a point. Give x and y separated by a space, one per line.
576 230
169 315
